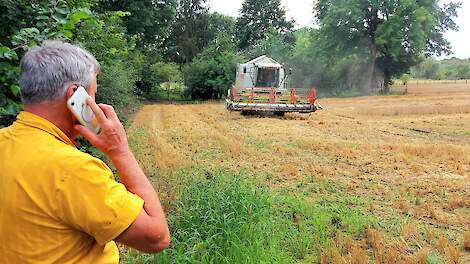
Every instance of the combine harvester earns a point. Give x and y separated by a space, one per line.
262 87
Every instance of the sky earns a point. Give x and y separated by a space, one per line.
302 12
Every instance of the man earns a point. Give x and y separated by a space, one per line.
57 204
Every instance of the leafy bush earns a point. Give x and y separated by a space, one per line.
160 76
116 84
25 25
405 78
212 72
121 63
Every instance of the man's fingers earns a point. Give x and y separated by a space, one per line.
87 134
109 111
96 110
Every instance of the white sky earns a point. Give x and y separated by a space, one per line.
302 12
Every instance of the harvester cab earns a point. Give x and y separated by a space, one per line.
262 85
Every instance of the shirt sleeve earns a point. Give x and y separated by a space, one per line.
90 200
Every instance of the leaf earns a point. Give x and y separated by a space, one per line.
122 14
68 26
3 98
61 10
29 31
59 19
40 37
15 89
7 53
17 40
78 15
44 18
14 55
12 107
41 24
67 33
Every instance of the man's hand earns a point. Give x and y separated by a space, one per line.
149 232
112 139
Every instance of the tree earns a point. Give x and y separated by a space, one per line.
448 69
212 72
189 34
148 20
395 33
221 24
405 78
312 66
260 17
121 61
24 25
159 73
273 46
168 77
429 69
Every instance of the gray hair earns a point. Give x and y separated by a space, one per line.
47 71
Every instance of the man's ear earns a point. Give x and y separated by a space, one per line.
70 91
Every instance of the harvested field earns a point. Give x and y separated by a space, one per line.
407 158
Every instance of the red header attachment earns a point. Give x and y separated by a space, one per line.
312 96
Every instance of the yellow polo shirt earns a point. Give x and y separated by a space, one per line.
57 204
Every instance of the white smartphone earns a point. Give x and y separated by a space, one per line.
80 109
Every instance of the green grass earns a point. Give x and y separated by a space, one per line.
434 259
261 144
348 93
172 96
224 217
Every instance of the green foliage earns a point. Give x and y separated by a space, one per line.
26 24
105 38
434 259
190 32
257 22
405 78
166 72
170 91
313 67
149 20
121 62
9 89
396 35
273 45
52 20
221 25
449 69
212 72
161 76
145 44
224 217
116 85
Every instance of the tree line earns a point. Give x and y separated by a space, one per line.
447 69
151 48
